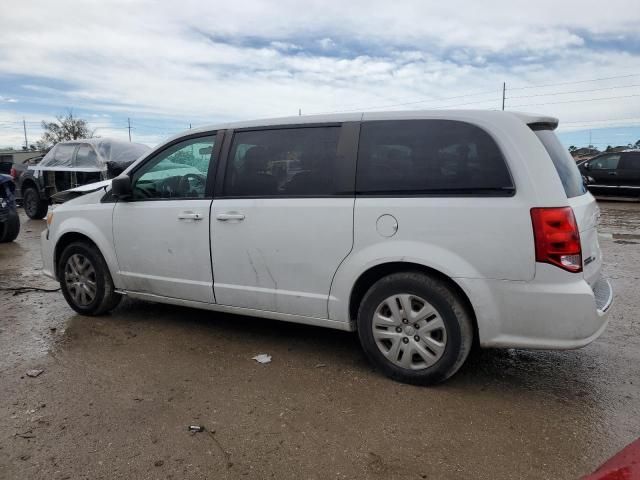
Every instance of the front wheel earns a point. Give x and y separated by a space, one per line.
35 207
85 280
415 328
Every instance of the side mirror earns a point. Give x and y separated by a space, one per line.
121 187
587 166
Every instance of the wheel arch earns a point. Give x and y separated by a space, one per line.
67 239
367 278
28 182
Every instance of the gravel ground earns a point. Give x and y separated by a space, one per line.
117 393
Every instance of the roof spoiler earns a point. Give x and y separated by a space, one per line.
548 125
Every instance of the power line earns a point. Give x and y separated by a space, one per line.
574 101
604 120
574 91
432 100
574 82
359 109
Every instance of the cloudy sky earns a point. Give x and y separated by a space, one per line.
166 65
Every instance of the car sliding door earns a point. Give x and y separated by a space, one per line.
282 217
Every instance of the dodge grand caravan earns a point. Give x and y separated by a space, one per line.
423 231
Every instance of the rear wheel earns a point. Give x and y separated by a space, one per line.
10 228
35 207
85 280
415 328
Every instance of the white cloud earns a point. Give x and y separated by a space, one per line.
207 62
4 99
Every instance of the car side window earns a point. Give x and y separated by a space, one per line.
86 157
63 155
178 172
282 162
414 157
630 161
606 162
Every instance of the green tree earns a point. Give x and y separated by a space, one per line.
64 128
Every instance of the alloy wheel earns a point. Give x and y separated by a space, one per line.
80 279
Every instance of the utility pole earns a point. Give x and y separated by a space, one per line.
504 90
26 144
129 127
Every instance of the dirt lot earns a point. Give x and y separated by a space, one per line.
118 392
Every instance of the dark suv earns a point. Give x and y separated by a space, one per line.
9 220
615 174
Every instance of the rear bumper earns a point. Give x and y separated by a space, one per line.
557 310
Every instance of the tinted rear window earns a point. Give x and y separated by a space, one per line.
565 165
630 161
283 162
414 157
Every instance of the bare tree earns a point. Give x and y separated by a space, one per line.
64 128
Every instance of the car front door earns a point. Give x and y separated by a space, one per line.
283 217
603 169
161 235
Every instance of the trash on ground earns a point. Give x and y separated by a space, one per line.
34 373
196 428
320 365
262 358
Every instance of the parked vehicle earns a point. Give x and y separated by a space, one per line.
615 174
71 164
20 172
9 220
424 231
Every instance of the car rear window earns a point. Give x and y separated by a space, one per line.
430 157
565 165
630 161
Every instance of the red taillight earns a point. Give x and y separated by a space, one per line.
14 172
557 238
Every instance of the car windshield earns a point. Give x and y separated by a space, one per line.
90 155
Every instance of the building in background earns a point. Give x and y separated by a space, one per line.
9 156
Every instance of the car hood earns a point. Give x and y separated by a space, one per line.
66 195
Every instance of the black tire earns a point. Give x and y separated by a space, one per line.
105 298
10 229
35 207
452 312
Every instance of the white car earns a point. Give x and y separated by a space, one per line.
423 231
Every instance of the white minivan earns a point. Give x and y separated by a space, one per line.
424 231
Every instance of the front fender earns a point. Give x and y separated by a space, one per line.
98 230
